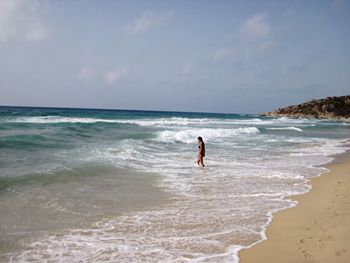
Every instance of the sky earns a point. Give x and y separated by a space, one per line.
193 55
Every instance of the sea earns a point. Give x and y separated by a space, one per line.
95 185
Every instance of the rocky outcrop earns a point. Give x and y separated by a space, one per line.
328 108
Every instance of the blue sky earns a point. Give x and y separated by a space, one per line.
212 56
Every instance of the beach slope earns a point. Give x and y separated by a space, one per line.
317 229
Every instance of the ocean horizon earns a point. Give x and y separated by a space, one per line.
121 109
86 184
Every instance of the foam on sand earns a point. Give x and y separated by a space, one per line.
317 229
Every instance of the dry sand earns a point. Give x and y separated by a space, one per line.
317 229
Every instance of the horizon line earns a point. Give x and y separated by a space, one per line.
115 109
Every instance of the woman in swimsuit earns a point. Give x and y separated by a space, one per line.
201 151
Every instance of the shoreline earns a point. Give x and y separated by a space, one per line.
317 229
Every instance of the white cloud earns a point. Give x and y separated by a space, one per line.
116 75
22 19
223 53
256 27
267 45
87 74
147 20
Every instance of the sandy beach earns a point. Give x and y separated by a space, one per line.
317 229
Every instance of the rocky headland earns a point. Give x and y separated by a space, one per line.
328 108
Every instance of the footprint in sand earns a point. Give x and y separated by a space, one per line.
300 243
340 252
306 254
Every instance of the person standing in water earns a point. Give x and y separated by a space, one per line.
201 151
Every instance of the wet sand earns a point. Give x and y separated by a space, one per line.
317 229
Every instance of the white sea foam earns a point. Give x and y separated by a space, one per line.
319 147
286 128
298 120
57 119
173 121
190 135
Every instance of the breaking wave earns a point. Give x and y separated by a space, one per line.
190 135
286 128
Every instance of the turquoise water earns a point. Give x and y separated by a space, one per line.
121 185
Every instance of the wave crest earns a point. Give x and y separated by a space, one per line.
286 128
190 135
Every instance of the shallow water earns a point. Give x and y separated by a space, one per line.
123 186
